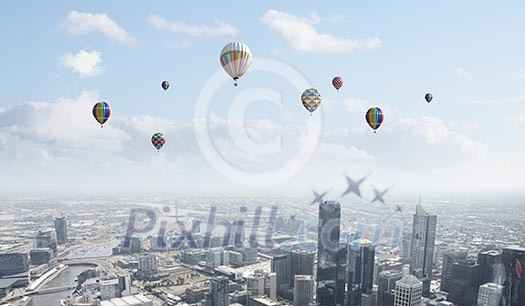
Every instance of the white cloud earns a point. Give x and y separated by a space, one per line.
301 34
78 23
179 45
84 63
517 119
49 144
219 30
461 72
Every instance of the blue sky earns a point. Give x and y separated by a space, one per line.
69 54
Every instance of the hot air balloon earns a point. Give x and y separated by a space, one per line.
374 117
101 112
235 59
165 85
428 97
311 99
157 140
337 82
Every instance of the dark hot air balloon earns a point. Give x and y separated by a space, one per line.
374 117
101 112
165 85
337 82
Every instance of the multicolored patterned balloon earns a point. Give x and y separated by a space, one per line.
428 97
165 85
337 82
158 141
235 59
374 117
311 99
101 112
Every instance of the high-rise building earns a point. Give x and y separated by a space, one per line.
513 259
450 257
369 298
262 283
464 283
13 263
218 295
405 245
45 240
61 230
331 259
490 294
303 291
422 247
147 264
386 284
302 263
360 269
280 265
491 267
408 291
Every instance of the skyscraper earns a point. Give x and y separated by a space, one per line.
490 294
422 247
450 257
302 263
513 259
218 295
331 259
464 283
303 292
408 291
386 284
147 264
491 267
46 239
61 230
281 267
360 269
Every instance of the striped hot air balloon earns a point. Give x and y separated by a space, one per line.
101 112
374 117
235 59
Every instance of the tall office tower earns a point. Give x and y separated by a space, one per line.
218 294
492 270
513 259
61 230
490 294
262 283
360 269
386 284
147 264
422 247
409 291
450 257
13 263
331 259
280 265
302 263
369 298
464 283
303 291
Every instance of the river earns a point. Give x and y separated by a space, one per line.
67 277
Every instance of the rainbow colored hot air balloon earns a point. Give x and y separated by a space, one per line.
165 85
311 99
337 82
428 97
374 117
101 112
235 59
158 141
